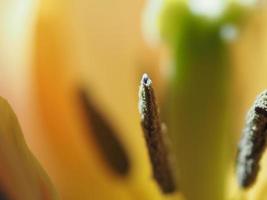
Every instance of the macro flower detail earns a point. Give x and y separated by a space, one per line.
112 149
21 176
250 150
198 92
71 71
154 137
253 142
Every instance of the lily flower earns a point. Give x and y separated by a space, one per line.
97 145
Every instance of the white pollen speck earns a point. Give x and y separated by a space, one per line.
146 80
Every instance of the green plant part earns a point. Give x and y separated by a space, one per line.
196 110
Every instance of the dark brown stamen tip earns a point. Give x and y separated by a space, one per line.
154 137
146 80
111 148
253 142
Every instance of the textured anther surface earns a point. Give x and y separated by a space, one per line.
253 142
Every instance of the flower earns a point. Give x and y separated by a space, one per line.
84 87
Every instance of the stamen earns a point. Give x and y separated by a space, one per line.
253 142
152 128
111 148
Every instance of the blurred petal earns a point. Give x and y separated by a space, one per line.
20 174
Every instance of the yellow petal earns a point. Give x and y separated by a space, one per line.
21 175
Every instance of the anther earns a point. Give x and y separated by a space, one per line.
253 142
112 150
152 128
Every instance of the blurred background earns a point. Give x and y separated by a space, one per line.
52 49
